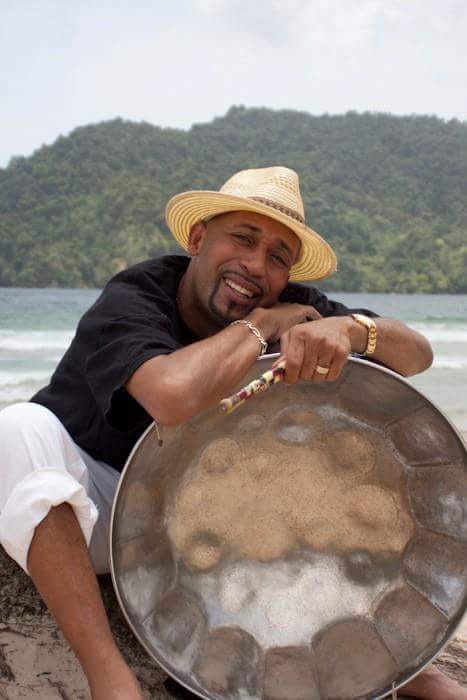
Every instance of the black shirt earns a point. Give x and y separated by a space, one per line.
135 318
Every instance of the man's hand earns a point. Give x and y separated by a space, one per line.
327 343
174 387
323 343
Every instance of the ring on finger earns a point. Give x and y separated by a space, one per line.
321 370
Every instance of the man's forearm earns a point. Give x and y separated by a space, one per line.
398 347
173 388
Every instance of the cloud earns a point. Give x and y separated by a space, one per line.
187 61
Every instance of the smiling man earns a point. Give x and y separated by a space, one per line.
166 339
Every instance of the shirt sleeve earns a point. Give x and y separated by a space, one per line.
122 341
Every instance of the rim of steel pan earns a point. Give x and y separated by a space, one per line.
154 655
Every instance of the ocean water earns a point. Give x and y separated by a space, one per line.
37 325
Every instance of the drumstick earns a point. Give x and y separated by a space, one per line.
272 376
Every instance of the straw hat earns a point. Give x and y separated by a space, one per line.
273 192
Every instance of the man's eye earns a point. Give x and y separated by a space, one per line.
241 237
280 260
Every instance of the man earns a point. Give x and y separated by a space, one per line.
165 340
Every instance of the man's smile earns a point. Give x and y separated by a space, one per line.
238 288
242 285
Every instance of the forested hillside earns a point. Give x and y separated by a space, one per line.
389 193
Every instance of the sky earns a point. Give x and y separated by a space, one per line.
178 62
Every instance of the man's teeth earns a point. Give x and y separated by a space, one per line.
240 290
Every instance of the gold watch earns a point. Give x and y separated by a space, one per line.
370 325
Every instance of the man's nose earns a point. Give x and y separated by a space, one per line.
254 263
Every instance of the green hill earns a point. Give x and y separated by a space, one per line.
389 193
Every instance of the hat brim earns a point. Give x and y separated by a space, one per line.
316 261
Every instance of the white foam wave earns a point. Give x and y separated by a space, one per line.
55 357
12 378
33 341
20 386
445 362
442 332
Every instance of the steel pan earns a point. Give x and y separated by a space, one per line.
310 545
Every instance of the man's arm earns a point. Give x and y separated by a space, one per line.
174 387
399 347
328 342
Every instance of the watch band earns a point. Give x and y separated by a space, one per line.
370 326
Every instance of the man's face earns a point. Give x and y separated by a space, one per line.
241 260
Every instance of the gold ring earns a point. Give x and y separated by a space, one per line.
321 370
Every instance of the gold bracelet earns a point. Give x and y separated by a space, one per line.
370 326
256 333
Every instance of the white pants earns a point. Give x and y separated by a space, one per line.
41 467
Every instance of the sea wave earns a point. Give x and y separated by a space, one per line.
449 362
23 388
12 378
59 340
34 341
442 332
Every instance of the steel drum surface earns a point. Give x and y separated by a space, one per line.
310 545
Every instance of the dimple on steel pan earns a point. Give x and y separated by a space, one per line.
312 545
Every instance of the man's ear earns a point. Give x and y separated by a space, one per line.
195 238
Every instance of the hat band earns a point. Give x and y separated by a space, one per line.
280 207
